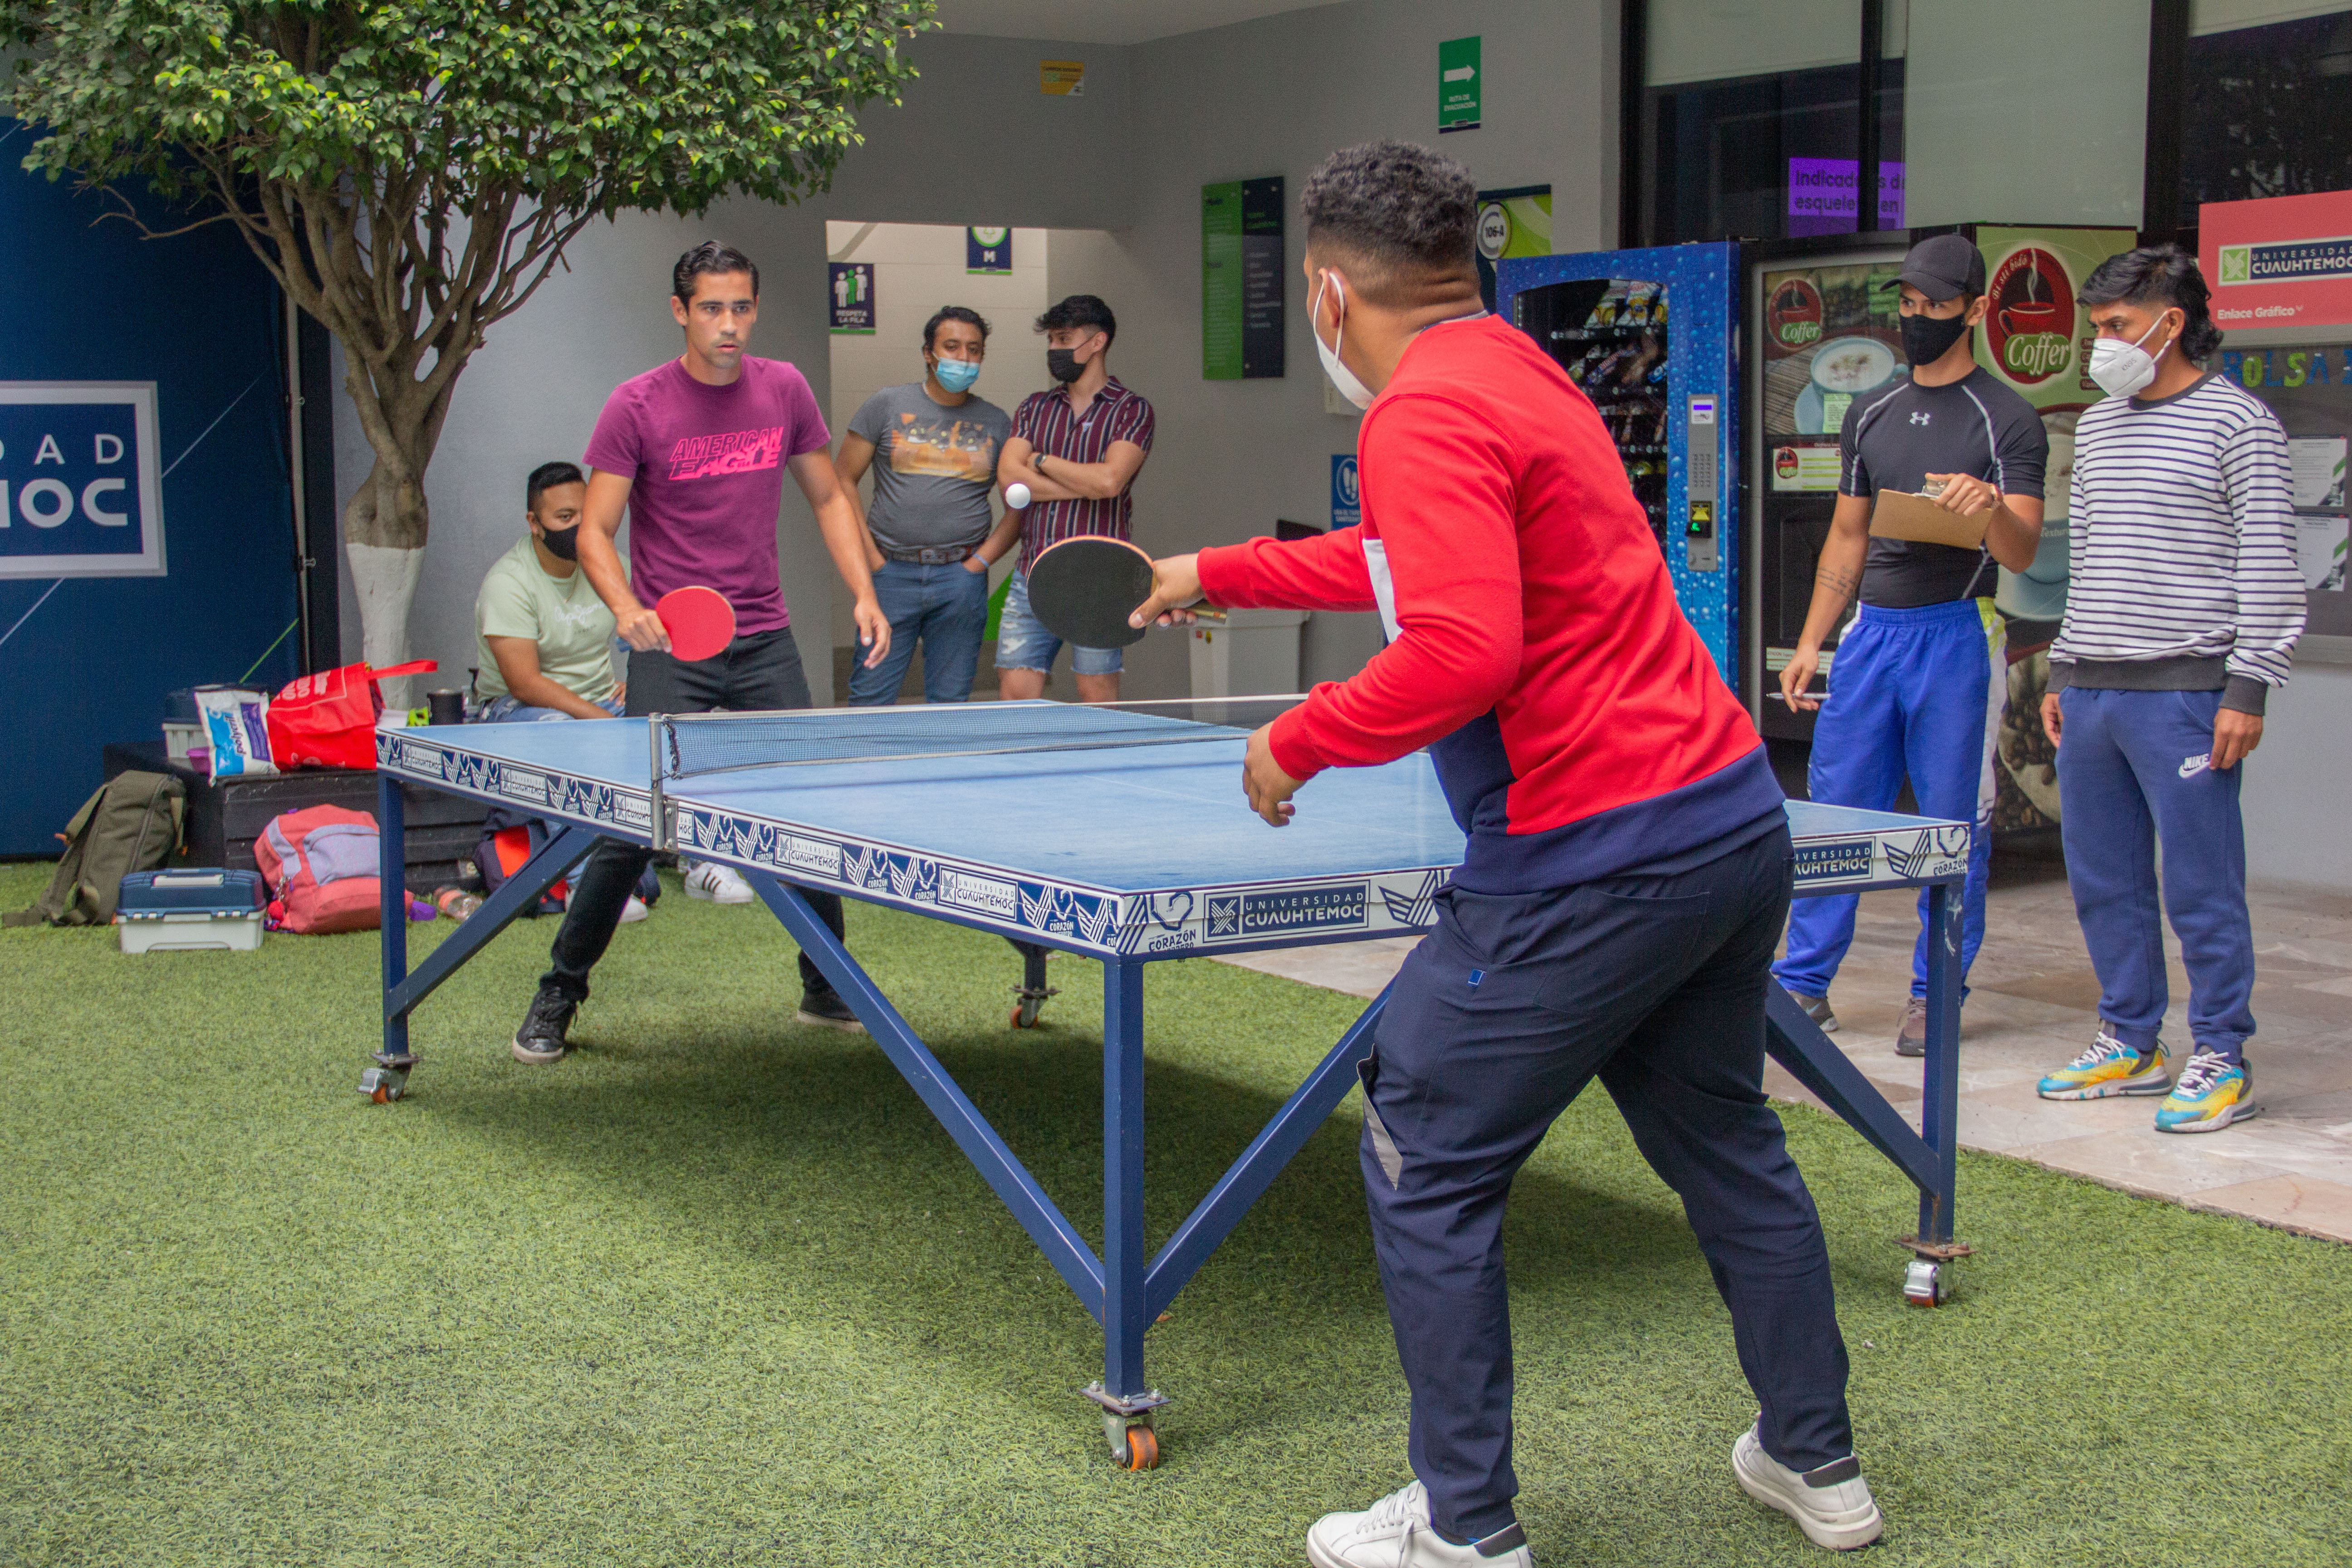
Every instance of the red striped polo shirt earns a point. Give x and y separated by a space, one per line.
1045 422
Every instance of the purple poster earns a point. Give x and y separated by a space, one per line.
1820 195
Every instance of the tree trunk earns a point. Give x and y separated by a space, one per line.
386 521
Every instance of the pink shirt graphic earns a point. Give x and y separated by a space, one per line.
707 471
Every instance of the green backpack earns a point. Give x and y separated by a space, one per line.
132 824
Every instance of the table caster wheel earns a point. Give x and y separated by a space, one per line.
1133 1445
384 1084
1927 1283
1025 1012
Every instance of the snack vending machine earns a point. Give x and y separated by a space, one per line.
1650 337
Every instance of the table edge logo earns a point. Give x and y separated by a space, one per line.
1834 859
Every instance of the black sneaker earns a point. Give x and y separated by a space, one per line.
541 1039
826 1010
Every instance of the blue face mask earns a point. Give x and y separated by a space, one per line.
957 374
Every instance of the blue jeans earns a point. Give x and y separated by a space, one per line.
946 608
2131 772
1023 643
1498 1020
1917 692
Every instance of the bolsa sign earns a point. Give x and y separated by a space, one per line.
80 491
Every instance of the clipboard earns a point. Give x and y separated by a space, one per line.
1901 514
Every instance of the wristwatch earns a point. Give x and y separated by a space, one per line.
1037 461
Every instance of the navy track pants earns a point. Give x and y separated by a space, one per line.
1655 985
2132 772
1917 693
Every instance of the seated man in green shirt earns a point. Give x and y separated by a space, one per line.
546 647
546 638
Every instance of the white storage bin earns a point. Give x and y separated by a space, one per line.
1254 653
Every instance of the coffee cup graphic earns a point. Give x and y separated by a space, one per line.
2029 316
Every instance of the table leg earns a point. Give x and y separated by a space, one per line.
1928 1282
389 1078
1128 1402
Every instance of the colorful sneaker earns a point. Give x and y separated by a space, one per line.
1817 1008
1832 1505
1396 1532
2213 1092
2109 1066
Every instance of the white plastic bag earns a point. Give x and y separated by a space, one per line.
236 723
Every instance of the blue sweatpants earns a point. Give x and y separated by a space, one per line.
1655 985
2132 772
1917 692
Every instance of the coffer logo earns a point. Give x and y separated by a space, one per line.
80 494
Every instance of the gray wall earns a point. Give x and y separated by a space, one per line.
974 142
1274 97
2294 797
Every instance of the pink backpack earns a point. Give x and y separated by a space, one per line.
320 865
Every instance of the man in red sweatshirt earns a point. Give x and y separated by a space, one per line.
1626 879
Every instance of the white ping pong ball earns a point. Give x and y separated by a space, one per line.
1016 496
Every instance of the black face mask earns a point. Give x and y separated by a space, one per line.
1927 339
564 543
1063 365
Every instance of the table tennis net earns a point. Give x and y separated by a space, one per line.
685 745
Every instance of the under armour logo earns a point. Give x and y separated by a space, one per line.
1920 418
2191 766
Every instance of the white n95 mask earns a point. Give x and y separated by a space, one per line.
2121 369
1353 390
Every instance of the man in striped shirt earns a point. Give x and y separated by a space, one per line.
1078 448
2183 607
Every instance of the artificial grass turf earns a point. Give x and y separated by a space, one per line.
718 1290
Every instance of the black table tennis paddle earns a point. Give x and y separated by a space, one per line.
1083 589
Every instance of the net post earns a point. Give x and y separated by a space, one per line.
655 811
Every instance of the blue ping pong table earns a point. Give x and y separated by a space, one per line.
1120 835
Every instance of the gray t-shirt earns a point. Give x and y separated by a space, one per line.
1895 435
933 467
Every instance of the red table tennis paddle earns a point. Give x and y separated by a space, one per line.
1083 589
700 621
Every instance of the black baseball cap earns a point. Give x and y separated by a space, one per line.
1944 266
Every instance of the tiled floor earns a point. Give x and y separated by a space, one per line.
2034 1002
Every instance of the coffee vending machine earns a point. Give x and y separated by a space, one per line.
1651 337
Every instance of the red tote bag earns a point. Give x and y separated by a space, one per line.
328 719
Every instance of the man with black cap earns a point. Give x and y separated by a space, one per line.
1919 683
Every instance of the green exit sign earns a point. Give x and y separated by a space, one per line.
1458 74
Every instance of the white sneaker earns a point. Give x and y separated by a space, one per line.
1395 1532
1832 1505
719 884
635 910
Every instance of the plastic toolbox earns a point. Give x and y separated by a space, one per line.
191 909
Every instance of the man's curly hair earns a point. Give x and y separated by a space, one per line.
1402 209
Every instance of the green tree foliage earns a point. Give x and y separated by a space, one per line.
410 172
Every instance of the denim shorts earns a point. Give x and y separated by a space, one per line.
1023 643
512 709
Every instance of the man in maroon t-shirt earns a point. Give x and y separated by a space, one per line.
696 449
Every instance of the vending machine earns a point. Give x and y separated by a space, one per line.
1651 337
